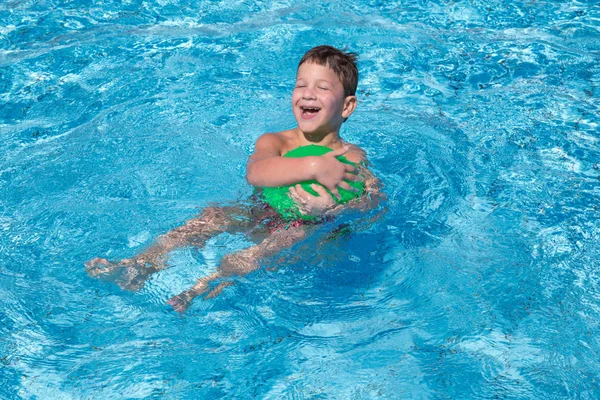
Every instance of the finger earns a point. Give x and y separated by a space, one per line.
348 187
321 191
324 195
352 177
302 192
294 195
335 193
339 152
350 168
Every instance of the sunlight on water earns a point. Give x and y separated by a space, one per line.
121 120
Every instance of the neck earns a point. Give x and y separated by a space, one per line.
331 139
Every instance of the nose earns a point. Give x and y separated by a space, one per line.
308 94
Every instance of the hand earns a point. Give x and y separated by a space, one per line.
332 173
309 204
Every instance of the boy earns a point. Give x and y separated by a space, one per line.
323 98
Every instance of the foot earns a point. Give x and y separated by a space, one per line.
128 274
181 302
99 266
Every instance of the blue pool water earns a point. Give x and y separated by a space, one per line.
120 120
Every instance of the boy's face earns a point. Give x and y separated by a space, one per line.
318 100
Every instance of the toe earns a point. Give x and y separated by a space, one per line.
178 304
94 266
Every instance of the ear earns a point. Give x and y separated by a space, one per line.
349 106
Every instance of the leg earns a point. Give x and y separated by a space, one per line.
239 263
131 273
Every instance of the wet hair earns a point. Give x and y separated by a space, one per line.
343 64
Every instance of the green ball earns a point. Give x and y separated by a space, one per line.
280 200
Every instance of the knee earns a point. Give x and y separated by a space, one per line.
211 212
210 217
214 215
237 264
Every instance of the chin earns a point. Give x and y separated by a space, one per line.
313 127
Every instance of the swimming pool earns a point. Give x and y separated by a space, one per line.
120 120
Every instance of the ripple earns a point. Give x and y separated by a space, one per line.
475 278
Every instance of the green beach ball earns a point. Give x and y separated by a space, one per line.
279 199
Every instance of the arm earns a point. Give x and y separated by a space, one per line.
267 167
324 204
373 194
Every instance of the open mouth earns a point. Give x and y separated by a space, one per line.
309 112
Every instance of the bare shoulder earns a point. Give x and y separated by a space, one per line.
266 146
283 141
268 140
358 156
373 185
355 154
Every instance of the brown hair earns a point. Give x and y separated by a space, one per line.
342 63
